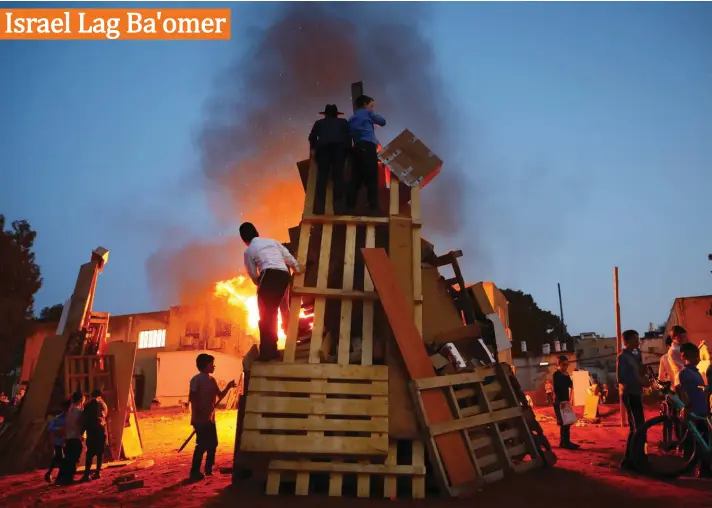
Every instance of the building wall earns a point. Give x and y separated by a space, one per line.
597 355
694 313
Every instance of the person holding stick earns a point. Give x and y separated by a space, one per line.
204 394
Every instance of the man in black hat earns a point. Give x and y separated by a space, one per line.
330 141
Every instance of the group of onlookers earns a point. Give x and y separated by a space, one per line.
67 431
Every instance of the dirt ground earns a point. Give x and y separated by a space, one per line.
585 478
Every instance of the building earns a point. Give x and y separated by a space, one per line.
533 369
170 338
694 313
596 354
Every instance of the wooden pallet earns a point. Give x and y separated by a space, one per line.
362 478
87 373
346 294
317 409
490 419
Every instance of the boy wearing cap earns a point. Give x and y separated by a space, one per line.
329 141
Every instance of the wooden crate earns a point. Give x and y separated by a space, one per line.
491 420
402 474
317 409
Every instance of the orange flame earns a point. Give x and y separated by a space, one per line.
240 292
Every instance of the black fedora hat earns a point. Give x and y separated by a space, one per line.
331 109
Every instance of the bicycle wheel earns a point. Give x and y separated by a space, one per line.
669 448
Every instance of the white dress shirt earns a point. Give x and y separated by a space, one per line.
267 254
676 363
664 371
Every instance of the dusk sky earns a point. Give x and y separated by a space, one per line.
584 130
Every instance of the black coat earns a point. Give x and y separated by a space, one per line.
330 131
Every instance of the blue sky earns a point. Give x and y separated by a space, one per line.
586 133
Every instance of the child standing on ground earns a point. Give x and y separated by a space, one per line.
56 429
693 391
631 383
74 432
95 413
204 394
562 395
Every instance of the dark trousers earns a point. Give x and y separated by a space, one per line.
57 459
72 454
206 442
96 442
564 430
364 172
270 293
636 418
330 161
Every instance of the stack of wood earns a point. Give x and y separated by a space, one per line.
390 369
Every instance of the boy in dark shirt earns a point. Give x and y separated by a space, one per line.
631 382
95 413
365 154
562 394
204 393
693 393
329 142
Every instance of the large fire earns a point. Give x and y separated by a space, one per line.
240 292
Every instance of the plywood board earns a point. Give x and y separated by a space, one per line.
455 451
124 354
440 314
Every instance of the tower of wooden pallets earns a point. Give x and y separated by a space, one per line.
355 403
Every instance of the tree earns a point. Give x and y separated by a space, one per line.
19 281
51 314
533 325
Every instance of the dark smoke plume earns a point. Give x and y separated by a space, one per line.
258 120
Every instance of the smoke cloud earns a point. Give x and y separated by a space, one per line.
257 122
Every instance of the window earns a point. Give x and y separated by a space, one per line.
149 339
223 328
192 329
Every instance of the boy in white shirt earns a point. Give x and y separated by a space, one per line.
268 263
679 337
664 370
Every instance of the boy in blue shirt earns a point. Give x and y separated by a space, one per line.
365 153
692 387
56 430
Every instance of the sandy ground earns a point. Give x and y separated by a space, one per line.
585 478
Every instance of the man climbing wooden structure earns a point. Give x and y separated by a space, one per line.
359 399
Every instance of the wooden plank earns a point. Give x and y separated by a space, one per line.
259 422
320 371
295 301
345 467
124 354
344 219
448 427
454 450
342 294
367 331
467 332
319 386
344 345
417 262
378 406
253 441
480 375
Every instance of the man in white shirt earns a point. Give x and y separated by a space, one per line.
664 371
267 262
679 337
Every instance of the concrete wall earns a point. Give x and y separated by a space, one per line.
532 370
694 313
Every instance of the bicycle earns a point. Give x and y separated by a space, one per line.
681 445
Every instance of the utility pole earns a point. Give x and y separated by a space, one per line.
561 311
618 339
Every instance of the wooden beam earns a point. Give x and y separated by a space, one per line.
356 92
454 449
472 332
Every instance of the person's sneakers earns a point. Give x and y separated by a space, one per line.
48 477
85 479
208 472
96 476
196 476
627 466
569 446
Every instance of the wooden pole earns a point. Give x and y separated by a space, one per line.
618 340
